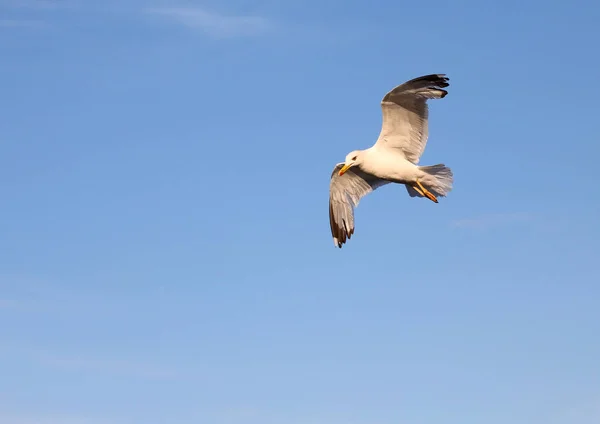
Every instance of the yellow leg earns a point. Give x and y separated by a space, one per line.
424 192
418 190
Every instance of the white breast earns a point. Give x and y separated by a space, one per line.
389 164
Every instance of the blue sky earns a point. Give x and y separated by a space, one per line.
165 252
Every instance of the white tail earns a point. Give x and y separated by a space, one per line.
438 180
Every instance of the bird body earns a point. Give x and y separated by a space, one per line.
388 165
393 158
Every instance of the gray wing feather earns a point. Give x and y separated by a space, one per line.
405 114
345 193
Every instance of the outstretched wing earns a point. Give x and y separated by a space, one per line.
405 114
345 193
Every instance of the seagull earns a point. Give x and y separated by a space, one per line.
393 158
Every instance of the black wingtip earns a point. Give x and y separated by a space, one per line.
432 83
440 80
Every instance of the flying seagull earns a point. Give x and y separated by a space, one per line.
393 158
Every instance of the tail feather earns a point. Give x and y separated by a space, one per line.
438 180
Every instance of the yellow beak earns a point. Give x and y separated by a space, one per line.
344 169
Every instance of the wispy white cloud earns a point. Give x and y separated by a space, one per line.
491 220
211 23
215 24
29 14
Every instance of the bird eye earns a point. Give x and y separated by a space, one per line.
354 158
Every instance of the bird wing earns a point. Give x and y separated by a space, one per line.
345 193
405 114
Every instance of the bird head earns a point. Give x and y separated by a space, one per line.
352 159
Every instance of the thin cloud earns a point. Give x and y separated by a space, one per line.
38 9
490 220
214 24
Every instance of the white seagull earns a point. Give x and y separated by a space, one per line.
393 158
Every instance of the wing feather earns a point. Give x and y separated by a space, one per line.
405 114
345 192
